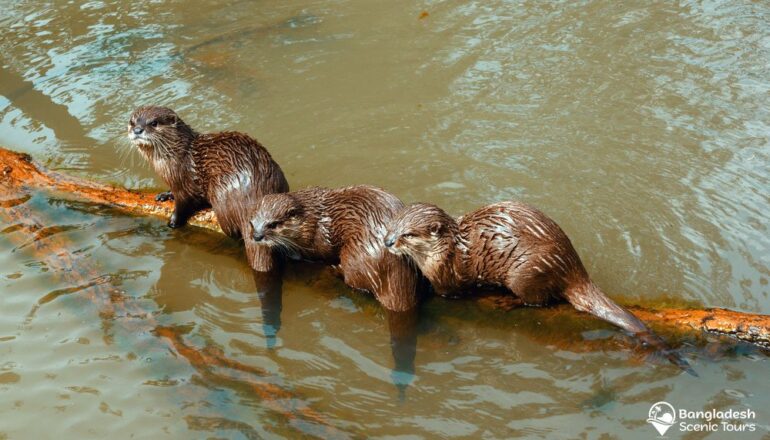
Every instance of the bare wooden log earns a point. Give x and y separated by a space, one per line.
19 171
748 327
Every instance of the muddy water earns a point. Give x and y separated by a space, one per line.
643 129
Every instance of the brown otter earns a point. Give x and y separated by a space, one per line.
344 226
227 171
511 245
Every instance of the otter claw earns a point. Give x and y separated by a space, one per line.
162 197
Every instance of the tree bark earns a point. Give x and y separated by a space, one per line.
19 172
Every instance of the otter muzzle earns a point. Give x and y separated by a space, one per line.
257 232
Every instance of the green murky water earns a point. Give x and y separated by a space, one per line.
643 129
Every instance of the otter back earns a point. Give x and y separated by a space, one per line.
234 171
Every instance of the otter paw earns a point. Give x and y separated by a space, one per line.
173 223
162 197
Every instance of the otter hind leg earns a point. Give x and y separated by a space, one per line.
531 291
232 213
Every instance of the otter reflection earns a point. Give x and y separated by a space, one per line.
403 347
269 286
194 290
190 284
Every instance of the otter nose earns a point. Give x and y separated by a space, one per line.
257 232
138 130
390 241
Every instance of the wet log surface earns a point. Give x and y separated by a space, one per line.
19 172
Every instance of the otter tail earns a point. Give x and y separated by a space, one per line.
587 297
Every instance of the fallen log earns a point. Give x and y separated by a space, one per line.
20 171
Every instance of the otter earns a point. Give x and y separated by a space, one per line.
343 227
510 245
227 171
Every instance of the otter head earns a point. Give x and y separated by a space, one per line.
278 221
158 131
423 232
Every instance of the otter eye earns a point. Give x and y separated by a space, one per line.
131 123
272 225
154 124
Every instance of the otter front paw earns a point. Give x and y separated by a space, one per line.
174 222
183 210
162 197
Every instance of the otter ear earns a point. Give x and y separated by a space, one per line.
434 228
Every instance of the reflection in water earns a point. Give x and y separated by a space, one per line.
403 346
269 288
127 321
402 327
187 281
248 381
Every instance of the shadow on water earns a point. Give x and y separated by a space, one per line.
40 107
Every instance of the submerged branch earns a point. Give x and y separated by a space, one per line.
19 171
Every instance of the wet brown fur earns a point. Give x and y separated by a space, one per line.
228 171
344 226
507 244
